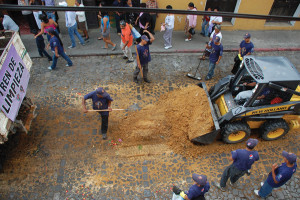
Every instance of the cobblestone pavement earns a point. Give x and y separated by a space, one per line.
64 156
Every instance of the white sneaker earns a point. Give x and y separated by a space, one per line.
71 47
261 183
187 39
50 68
256 192
168 47
218 186
67 65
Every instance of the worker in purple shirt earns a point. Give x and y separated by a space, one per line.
196 191
279 175
242 159
215 56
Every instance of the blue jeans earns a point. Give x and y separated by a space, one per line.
265 190
211 69
205 28
62 54
73 30
51 15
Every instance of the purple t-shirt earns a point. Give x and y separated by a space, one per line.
144 53
243 159
196 191
283 174
99 103
246 48
216 51
54 42
49 2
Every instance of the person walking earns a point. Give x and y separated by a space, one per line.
242 159
101 101
169 26
279 174
215 33
190 22
118 15
81 20
8 23
143 57
41 45
50 14
58 50
28 14
246 48
36 13
126 41
72 26
143 20
214 20
153 5
196 191
215 56
46 24
105 30
205 24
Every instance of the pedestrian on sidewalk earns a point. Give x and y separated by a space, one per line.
190 23
214 20
169 26
279 174
72 26
50 14
246 48
126 41
28 15
143 20
205 24
153 5
242 159
105 30
41 45
46 24
214 57
196 191
101 101
215 33
81 20
143 57
36 13
118 15
58 49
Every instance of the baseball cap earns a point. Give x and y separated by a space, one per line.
289 156
217 39
101 92
63 3
200 179
247 35
51 30
218 27
144 37
251 143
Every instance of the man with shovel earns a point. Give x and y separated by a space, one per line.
101 101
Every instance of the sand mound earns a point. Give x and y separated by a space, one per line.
176 118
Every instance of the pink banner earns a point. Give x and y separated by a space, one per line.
14 78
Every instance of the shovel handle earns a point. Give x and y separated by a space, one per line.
103 110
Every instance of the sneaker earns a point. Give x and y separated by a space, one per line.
218 186
104 136
147 80
135 80
71 47
232 184
67 65
104 47
256 192
187 39
168 47
114 48
125 57
85 39
50 68
261 184
83 44
129 61
207 78
248 172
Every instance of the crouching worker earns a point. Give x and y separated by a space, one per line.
196 191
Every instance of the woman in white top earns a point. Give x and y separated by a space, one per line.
169 25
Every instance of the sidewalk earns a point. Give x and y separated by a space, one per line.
262 40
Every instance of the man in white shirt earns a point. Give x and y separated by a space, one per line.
8 23
214 20
81 20
215 33
72 26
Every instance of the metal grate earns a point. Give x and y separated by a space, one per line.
254 69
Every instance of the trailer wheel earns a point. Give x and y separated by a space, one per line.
274 129
236 132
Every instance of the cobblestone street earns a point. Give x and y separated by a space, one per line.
64 156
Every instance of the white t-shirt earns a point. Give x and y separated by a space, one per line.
81 14
9 24
216 19
217 35
169 21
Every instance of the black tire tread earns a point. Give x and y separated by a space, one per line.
234 127
272 125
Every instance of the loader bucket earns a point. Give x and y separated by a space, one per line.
209 137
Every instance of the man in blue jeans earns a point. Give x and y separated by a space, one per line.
205 26
57 48
72 26
279 175
215 56
50 14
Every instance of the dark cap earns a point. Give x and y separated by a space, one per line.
217 39
251 143
200 179
247 35
51 30
290 157
144 37
101 92
218 27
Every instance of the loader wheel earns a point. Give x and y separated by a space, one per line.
236 132
274 129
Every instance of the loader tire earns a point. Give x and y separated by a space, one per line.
236 132
274 129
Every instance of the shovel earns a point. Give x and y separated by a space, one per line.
105 110
133 107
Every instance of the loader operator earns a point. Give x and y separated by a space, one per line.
245 95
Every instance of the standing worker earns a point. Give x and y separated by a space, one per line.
279 175
143 57
215 56
242 162
126 41
246 48
81 20
101 101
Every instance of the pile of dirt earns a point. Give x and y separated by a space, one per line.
175 119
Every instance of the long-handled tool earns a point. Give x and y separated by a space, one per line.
190 75
104 110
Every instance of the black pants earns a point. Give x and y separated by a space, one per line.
199 198
233 173
31 21
104 124
43 52
236 65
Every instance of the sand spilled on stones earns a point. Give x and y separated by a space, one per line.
176 118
